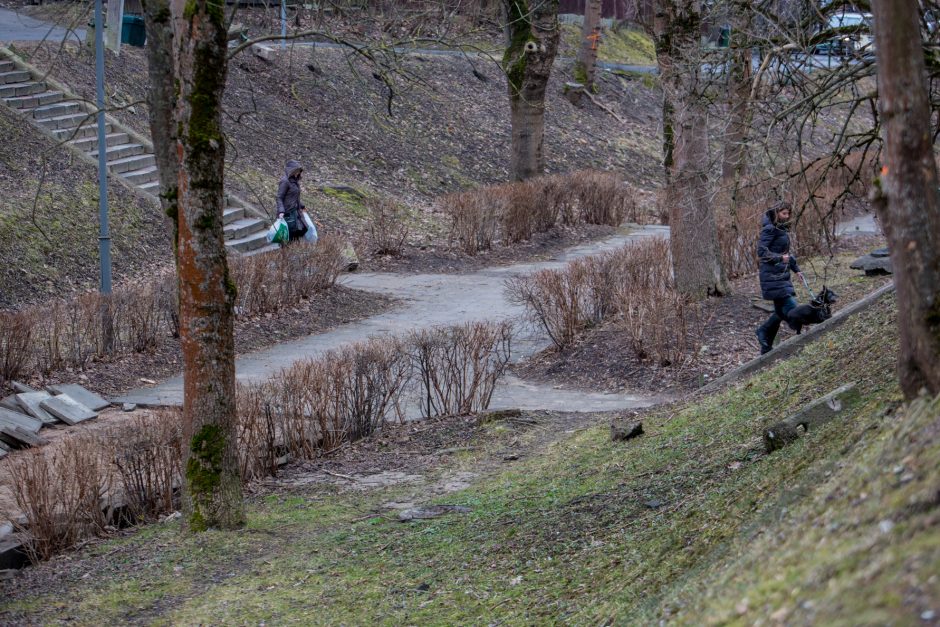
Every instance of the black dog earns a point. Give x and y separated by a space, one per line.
814 312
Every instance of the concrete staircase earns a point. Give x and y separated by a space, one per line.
130 156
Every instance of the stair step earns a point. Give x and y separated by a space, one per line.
12 90
264 249
52 110
249 243
68 121
230 214
144 175
131 164
90 144
88 129
14 76
120 153
243 228
7 66
152 187
34 100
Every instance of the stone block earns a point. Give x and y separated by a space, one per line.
873 264
9 402
22 387
19 419
811 417
67 409
18 436
30 401
620 431
87 398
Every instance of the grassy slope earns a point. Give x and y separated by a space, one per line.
55 248
692 522
622 45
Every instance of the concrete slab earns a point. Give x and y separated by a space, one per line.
18 419
21 387
67 409
30 401
87 398
20 437
10 402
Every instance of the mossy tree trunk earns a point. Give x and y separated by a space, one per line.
693 231
586 65
191 36
533 33
908 202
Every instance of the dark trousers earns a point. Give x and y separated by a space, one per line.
782 307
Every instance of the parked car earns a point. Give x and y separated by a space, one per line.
853 38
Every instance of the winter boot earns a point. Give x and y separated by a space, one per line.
766 343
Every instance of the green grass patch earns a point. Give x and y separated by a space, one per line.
693 522
621 45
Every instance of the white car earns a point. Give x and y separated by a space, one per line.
854 38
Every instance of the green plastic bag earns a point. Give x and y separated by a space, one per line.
278 233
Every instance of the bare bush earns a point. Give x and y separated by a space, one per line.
147 456
556 300
457 367
603 198
513 212
16 333
387 228
474 221
59 495
632 286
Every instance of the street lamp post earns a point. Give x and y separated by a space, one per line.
104 233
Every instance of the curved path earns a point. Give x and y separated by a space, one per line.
433 300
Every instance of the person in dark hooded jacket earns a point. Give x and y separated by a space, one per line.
776 264
289 206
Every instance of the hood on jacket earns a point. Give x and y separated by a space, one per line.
291 167
770 218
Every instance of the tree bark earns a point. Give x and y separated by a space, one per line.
161 99
693 231
907 201
213 487
586 65
533 41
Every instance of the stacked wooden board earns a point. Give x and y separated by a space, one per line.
25 413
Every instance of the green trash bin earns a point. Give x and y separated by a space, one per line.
132 30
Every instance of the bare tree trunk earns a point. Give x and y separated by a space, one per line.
213 494
586 65
161 98
533 41
908 202
693 231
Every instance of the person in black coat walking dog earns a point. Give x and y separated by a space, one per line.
289 206
776 264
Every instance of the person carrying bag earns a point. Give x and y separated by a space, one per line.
289 207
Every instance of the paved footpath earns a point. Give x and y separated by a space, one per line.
432 300
19 27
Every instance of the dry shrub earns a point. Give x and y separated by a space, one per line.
60 495
317 404
556 300
632 285
269 283
513 212
457 367
474 220
387 229
603 198
146 454
16 333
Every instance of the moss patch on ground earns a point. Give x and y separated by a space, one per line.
618 45
691 523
